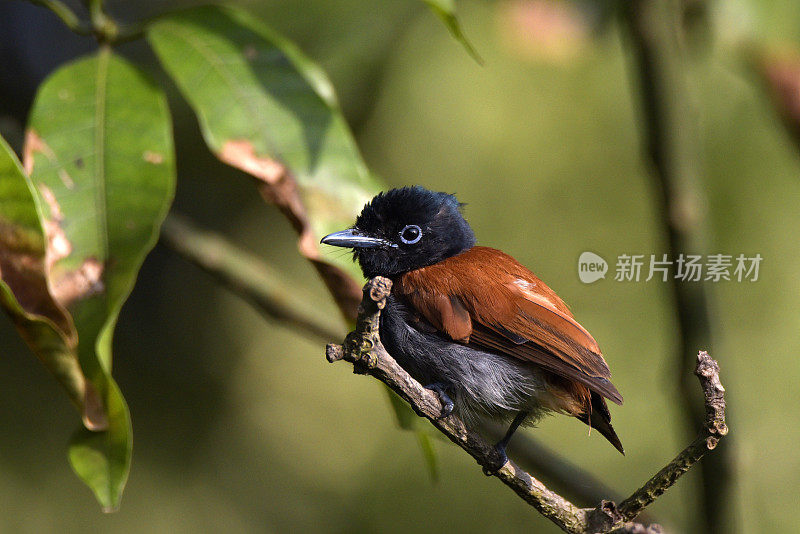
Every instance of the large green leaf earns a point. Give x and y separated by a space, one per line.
446 11
268 110
99 154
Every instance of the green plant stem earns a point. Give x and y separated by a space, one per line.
671 140
95 8
101 24
104 27
67 16
247 276
133 31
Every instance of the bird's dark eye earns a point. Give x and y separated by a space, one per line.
411 234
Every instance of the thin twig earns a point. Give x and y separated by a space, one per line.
104 27
670 134
363 348
715 428
67 16
246 275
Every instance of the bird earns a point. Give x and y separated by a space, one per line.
473 324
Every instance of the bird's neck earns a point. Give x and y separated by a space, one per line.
398 278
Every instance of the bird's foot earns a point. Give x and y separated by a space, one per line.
447 402
500 447
500 459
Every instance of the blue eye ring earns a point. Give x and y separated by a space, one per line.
411 234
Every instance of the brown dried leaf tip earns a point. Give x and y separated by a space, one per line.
34 144
278 187
240 153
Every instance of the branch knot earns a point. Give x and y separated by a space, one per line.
707 371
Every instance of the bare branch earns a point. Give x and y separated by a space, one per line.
707 370
572 480
363 348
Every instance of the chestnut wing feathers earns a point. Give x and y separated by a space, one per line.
485 298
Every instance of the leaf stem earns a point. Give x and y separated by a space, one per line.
67 16
101 25
104 27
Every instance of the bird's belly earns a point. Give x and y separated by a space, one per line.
481 384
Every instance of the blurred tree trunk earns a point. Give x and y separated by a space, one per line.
671 141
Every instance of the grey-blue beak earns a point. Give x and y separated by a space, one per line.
352 239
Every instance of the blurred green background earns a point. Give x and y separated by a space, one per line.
241 425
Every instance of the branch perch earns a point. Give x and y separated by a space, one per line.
255 281
363 348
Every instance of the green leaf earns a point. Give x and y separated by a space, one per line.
446 11
24 292
266 109
102 459
408 420
405 416
99 150
429 453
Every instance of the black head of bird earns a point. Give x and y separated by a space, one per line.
405 229
473 323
